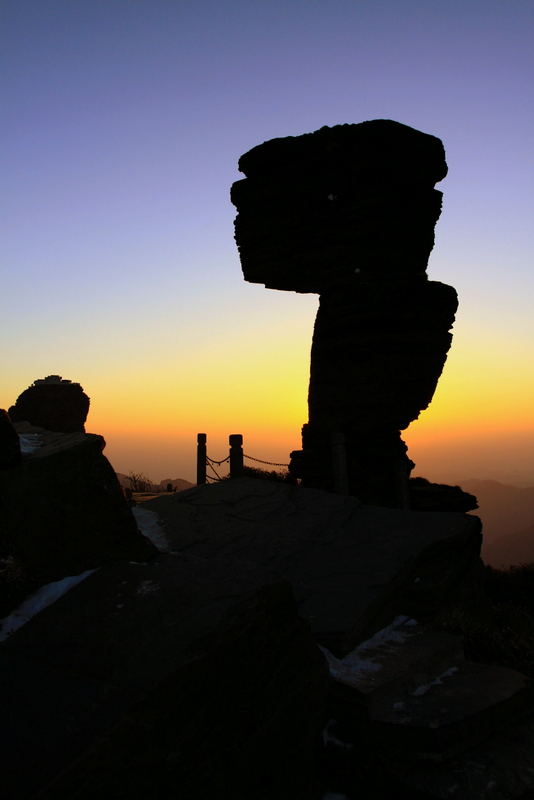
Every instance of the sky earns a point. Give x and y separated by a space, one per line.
122 125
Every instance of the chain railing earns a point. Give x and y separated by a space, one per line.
271 463
234 458
209 463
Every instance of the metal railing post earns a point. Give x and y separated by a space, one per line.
236 455
201 458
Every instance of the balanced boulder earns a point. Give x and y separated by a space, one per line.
54 404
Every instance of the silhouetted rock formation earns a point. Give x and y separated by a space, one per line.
349 212
63 510
54 404
10 454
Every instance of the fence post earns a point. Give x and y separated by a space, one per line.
201 458
339 463
236 455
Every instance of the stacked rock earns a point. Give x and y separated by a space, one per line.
54 404
349 212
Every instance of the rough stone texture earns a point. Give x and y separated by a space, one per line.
10 454
63 509
463 709
54 404
353 568
389 670
180 678
412 718
349 212
499 769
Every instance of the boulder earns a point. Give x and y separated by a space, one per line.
53 403
63 510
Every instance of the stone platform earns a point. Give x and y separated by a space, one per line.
353 568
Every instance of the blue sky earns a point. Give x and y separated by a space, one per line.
122 126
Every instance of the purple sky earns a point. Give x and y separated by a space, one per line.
122 125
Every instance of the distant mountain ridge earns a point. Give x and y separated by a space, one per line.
507 514
179 484
512 548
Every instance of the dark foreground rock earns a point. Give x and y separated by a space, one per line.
197 674
501 768
180 678
62 509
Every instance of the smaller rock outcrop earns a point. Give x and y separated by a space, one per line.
54 404
426 496
62 509
10 454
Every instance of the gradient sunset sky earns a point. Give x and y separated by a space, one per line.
122 125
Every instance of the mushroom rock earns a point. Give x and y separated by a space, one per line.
348 213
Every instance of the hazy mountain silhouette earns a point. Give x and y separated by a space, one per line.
513 548
178 483
507 514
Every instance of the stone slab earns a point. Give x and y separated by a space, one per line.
353 568
383 673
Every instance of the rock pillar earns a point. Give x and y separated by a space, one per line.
348 213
